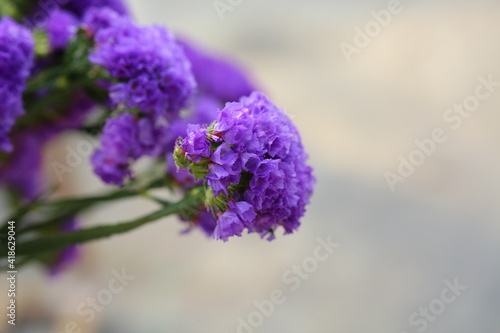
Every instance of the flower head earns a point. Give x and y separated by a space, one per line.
124 140
119 145
79 7
215 76
22 172
218 81
16 60
96 19
254 163
61 28
153 73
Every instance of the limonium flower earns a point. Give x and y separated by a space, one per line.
153 80
79 7
100 18
118 145
217 77
204 112
254 164
61 28
153 73
218 81
75 7
16 60
22 171
124 140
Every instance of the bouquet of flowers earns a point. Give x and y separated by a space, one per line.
235 159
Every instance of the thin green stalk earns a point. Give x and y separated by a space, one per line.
61 241
71 207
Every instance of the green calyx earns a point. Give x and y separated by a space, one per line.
198 169
217 203
180 159
42 45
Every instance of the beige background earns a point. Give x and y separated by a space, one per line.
356 119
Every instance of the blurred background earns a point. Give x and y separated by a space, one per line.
357 117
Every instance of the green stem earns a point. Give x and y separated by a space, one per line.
61 241
71 207
19 214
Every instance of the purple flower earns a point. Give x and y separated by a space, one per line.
204 112
16 60
152 77
182 178
80 7
22 172
224 155
196 144
215 76
124 140
244 210
96 19
61 28
256 168
154 74
119 141
42 10
205 221
219 81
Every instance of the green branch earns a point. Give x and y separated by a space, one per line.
58 242
66 208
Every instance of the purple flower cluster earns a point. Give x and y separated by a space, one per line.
16 60
153 79
61 28
203 113
219 81
62 20
153 73
217 77
80 7
119 145
23 170
253 160
125 139
96 19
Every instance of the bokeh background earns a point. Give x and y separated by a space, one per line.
396 248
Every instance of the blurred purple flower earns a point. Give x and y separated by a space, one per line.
16 60
215 76
61 28
80 7
154 74
96 19
124 140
